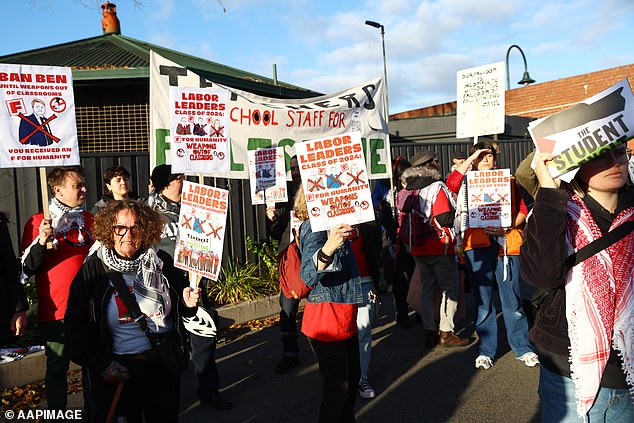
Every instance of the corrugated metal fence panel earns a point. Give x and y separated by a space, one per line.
20 192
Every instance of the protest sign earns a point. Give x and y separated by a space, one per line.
267 176
489 198
37 117
200 126
335 181
264 122
584 131
480 101
202 223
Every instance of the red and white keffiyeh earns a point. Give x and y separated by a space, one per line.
599 303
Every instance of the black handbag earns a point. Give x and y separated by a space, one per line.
167 346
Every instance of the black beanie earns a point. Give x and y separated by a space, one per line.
161 177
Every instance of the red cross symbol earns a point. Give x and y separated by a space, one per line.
217 132
316 185
503 198
39 128
186 222
475 197
335 180
356 179
214 231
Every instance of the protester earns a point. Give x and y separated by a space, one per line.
116 181
168 187
366 246
435 257
492 253
13 303
278 226
104 338
68 230
330 314
584 331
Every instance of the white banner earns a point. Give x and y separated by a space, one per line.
267 176
335 181
202 223
200 124
37 117
263 122
480 101
489 198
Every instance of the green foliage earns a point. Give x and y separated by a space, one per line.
239 282
267 254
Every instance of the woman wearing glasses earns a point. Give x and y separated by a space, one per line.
101 334
584 332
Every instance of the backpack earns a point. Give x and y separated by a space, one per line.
414 227
289 264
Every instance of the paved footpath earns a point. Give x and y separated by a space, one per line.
413 384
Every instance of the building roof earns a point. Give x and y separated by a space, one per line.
115 56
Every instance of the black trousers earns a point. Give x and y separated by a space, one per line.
288 324
151 394
339 367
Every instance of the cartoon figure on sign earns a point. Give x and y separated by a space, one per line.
333 180
183 127
217 130
355 175
199 128
34 128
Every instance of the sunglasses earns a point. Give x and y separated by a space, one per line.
617 155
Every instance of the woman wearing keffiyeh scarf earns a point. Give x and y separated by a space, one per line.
101 334
584 332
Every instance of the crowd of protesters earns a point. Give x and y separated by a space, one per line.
582 337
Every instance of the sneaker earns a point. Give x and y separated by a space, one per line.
530 359
483 362
365 390
286 364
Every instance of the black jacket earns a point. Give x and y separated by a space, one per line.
12 298
542 264
87 339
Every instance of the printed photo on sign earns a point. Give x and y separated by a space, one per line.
265 122
489 198
37 117
200 128
335 181
584 131
480 101
202 223
267 176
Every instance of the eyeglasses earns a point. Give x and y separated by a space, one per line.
121 230
617 155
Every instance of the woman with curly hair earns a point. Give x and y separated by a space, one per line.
101 334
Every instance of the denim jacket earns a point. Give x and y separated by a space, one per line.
339 282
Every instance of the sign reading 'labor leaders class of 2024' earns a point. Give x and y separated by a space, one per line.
200 128
267 176
489 198
335 181
202 223
37 117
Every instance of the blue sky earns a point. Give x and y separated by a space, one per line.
324 45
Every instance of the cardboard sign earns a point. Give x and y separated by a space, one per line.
200 124
37 117
267 175
202 223
480 101
489 198
587 129
335 181
264 122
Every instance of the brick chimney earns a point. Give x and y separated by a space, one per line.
110 22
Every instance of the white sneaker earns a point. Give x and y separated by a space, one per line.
483 362
365 390
530 359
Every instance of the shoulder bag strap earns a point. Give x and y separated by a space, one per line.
127 298
600 244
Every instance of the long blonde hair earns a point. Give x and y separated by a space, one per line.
299 204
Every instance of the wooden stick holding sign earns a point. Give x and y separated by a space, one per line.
44 192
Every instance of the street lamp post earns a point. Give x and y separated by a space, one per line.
378 25
526 79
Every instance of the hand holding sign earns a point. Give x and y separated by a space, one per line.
543 174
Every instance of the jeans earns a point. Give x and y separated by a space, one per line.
56 364
441 271
484 266
339 367
204 363
558 404
151 392
288 325
365 318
